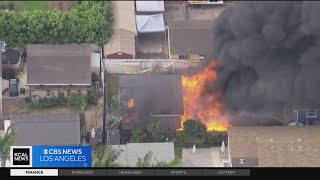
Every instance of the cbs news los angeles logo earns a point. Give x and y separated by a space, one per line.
21 156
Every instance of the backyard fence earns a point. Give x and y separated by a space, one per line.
145 66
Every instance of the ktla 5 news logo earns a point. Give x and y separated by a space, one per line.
21 155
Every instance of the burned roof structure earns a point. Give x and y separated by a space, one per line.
157 96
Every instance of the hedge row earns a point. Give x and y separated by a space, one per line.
89 22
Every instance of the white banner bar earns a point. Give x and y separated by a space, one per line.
34 172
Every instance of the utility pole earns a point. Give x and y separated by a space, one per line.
104 96
2 49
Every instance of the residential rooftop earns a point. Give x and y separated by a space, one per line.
47 129
275 146
188 37
58 64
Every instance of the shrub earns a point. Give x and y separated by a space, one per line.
80 102
181 138
93 96
27 100
61 99
138 136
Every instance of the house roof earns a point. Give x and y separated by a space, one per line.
155 94
199 37
275 146
10 56
150 23
59 64
150 6
162 152
123 13
121 41
47 129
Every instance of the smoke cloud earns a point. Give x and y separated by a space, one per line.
270 55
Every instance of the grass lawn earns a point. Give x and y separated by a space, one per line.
31 5
113 93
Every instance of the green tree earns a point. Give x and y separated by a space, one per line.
155 131
5 142
105 156
215 138
181 138
145 161
195 130
138 136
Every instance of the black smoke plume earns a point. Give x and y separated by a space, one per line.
270 55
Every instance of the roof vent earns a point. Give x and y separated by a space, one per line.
271 140
299 140
273 148
300 148
241 161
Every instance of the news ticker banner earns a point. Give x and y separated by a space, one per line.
51 156
130 172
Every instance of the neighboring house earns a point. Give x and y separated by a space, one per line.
307 116
161 152
156 96
203 157
190 39
122 42
121 45
54 68
47 129
274 146
149 7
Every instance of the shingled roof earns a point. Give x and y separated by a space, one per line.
275 146
47 129
189 37
58 64
122 41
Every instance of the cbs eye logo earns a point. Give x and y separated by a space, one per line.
21 156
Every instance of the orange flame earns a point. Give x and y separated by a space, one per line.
131 103
201 105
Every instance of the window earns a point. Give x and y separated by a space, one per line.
184 56
311 113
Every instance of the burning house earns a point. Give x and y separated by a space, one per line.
147 97
269 56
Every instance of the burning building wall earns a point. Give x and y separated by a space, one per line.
270 56
147 97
